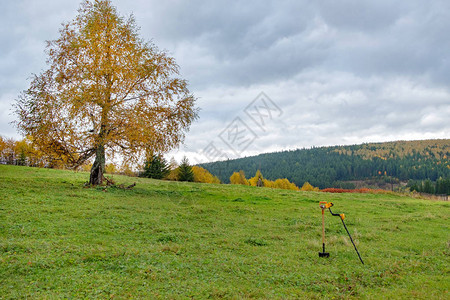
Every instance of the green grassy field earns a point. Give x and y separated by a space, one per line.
185 240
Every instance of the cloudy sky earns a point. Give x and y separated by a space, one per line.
273 75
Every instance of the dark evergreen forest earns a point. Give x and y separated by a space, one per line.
333 166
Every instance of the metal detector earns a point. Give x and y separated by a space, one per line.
324 205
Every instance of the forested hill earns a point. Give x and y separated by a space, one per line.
330 166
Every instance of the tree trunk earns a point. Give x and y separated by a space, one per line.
98 168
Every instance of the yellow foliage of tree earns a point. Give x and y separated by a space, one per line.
106 92
268 183
203 175
238 178
22 153
285 184
307 187
127 170
34 157
173 175
111 169
258 178
2 145
86 167
7 150
173 167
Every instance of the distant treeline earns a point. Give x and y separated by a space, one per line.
440 187
330 166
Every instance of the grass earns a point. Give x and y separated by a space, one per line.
186 240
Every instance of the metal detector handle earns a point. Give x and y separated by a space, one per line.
324 204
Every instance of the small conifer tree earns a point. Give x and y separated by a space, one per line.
185 172
156 167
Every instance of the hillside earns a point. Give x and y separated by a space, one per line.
174 240
331 166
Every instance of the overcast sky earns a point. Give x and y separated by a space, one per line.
273 75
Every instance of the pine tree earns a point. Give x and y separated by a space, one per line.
156 167
185 172
428 187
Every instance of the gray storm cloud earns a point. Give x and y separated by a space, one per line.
341 71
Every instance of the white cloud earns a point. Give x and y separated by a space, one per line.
348 72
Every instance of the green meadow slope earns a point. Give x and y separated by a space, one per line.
185 240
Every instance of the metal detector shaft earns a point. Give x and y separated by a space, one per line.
343 223
323 230
323 253
352 241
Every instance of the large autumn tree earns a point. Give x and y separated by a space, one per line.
106 91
